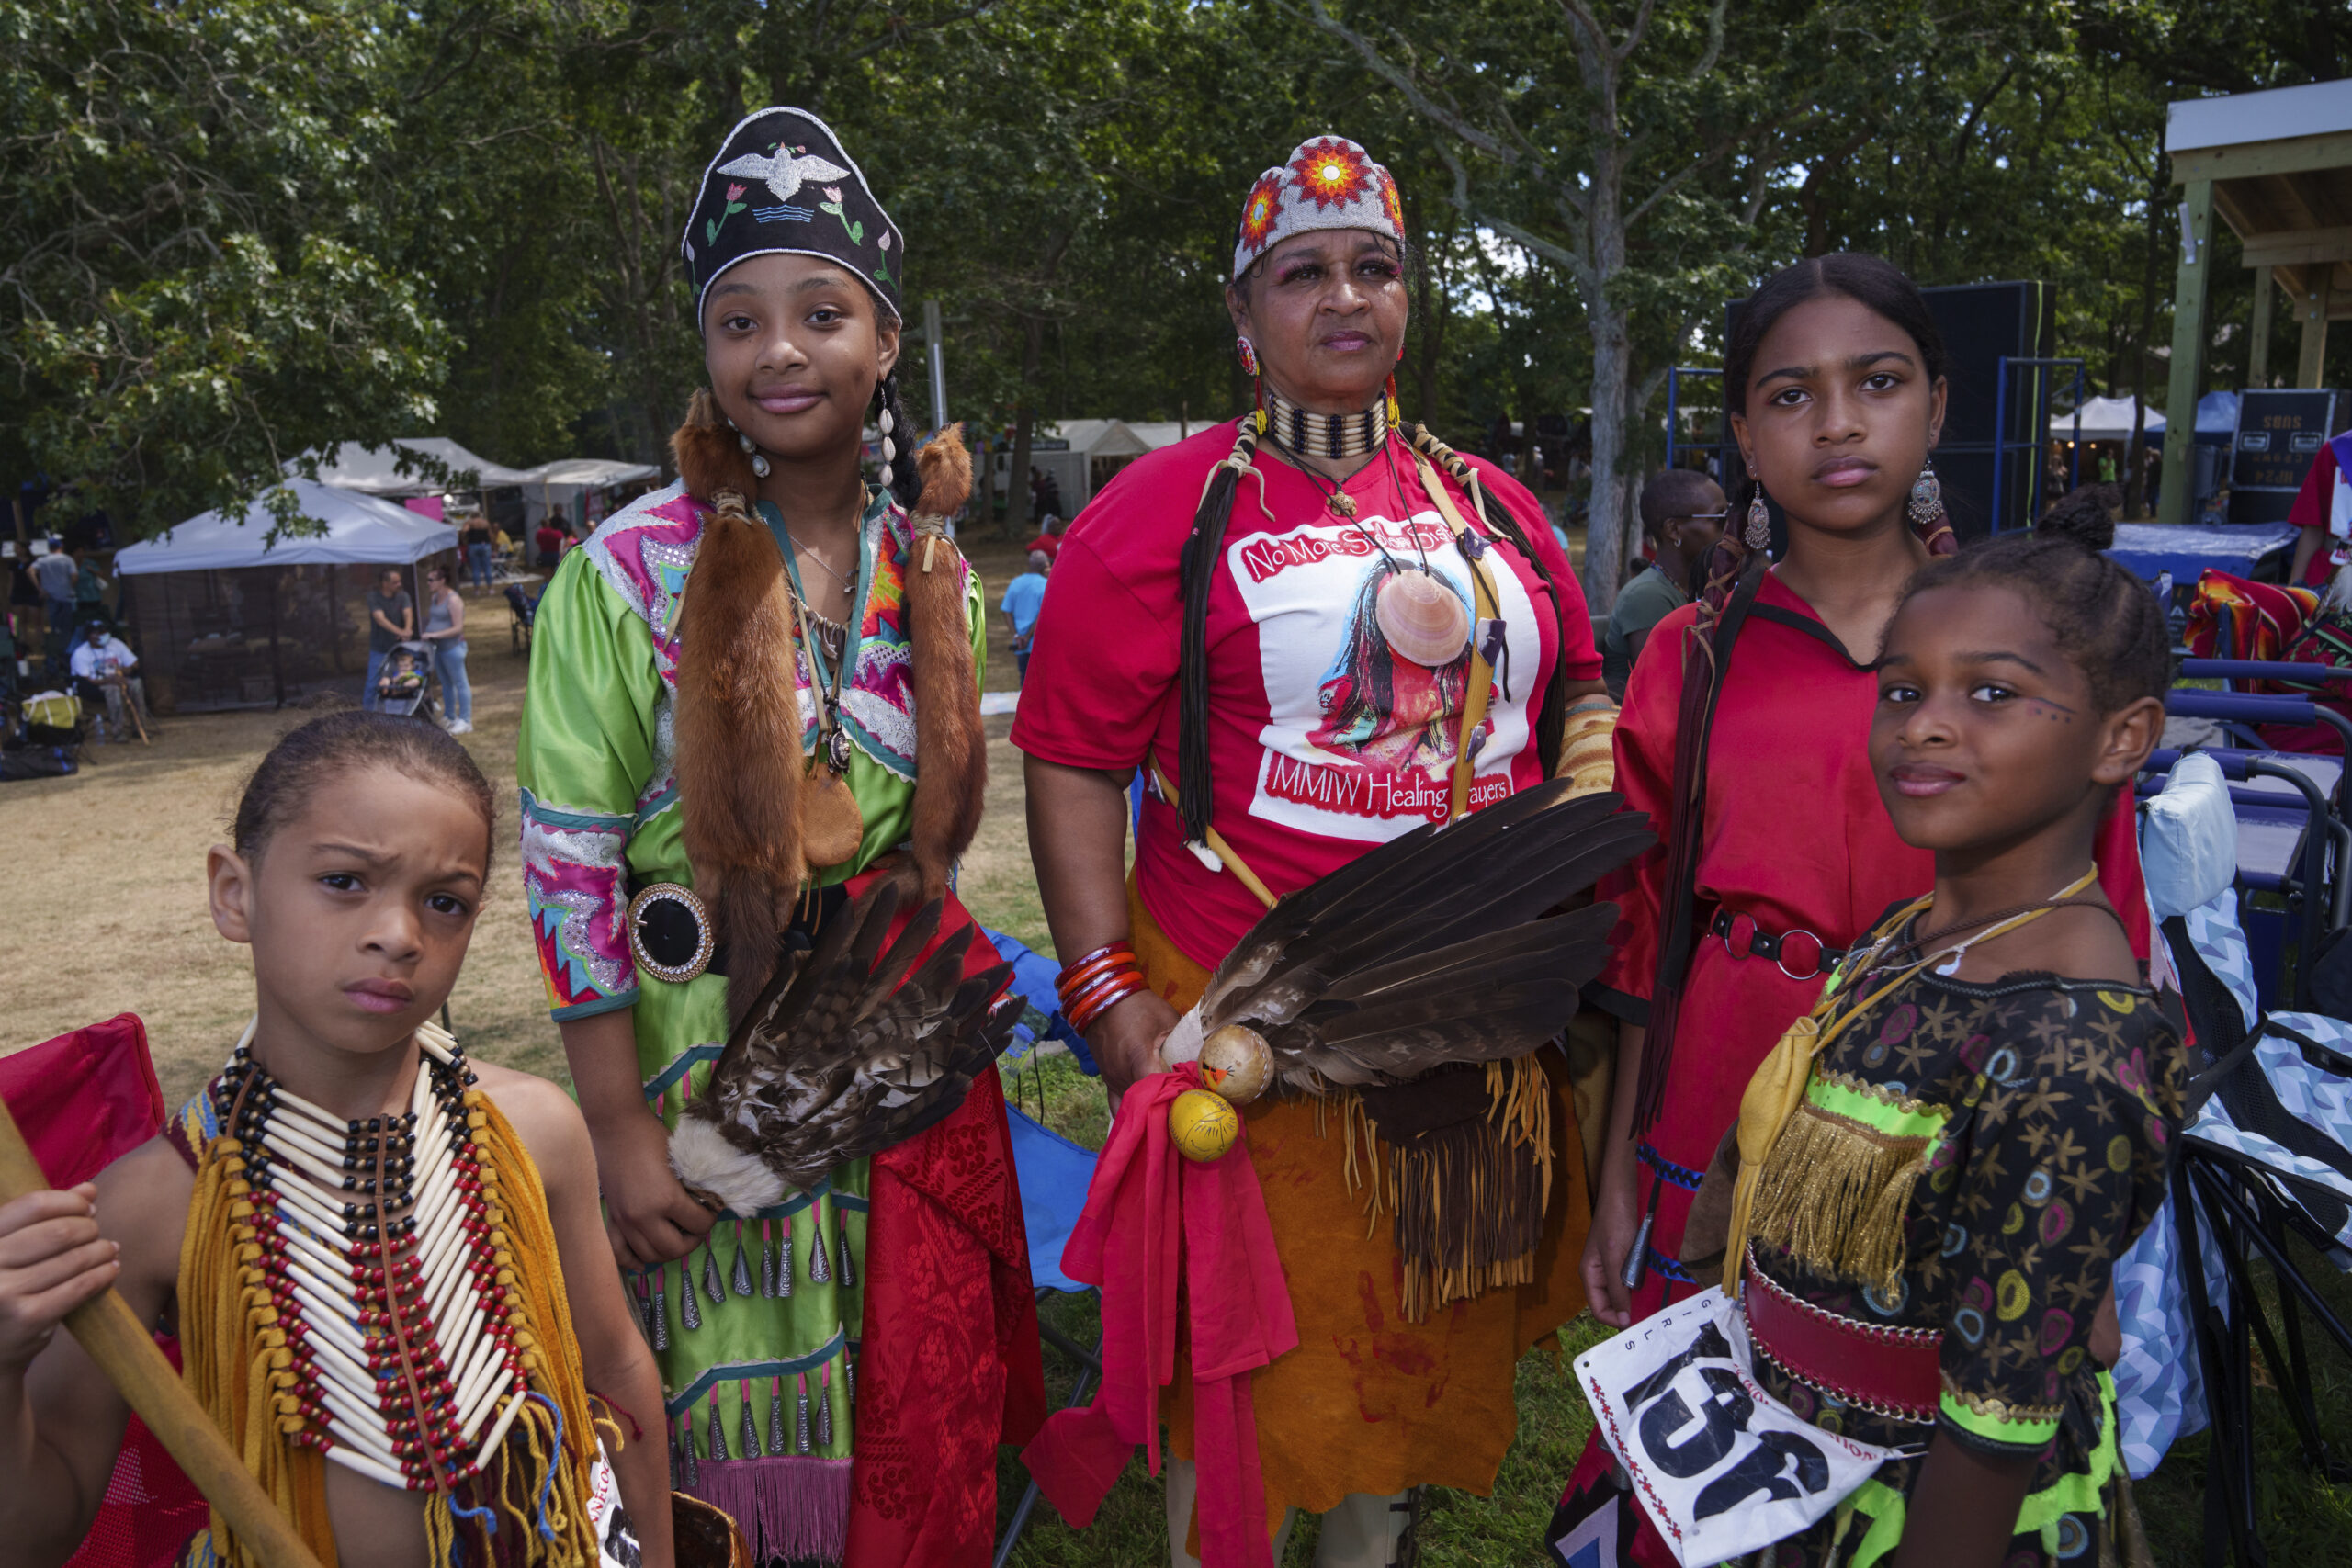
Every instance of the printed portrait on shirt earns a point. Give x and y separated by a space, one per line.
1360 741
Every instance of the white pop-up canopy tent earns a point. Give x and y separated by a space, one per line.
2104 419
557 486
360 530
353 467
225 615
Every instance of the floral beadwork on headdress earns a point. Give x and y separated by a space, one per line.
1258 214
1332 170
1337 187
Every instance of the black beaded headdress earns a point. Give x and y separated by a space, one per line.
782 183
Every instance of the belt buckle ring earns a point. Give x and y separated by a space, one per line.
1820 952
1743 927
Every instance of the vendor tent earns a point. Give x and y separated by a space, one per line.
225 615
558 486
2104 419
360 529
353 467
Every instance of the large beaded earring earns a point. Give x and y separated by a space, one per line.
1758 534
1929 518
1248 353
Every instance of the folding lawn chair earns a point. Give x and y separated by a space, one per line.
2267 1151
83 1100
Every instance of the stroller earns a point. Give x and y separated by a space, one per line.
408 691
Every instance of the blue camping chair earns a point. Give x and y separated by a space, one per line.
1054 1174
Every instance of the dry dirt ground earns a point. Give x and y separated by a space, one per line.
106 897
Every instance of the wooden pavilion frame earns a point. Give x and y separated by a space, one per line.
2276 167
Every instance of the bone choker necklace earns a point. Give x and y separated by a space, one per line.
1326 434
381 1244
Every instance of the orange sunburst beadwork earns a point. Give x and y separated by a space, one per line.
1393 203
1258 214
1331 171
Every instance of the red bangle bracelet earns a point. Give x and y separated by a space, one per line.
1078 976
1082 1018
1078 995
1105 951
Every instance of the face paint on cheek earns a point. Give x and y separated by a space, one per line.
2056 713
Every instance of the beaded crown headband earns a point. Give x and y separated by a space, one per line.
783 183
1328 183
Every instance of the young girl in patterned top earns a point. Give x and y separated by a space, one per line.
1992 1095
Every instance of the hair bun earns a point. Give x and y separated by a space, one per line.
2080 516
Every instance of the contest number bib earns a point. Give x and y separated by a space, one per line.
1720 1466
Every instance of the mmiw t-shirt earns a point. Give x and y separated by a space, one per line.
1322 741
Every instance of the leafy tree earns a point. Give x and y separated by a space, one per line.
202 283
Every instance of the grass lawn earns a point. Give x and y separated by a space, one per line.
108 895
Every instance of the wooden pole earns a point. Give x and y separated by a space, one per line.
126 1352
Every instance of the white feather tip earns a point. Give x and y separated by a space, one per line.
708 1163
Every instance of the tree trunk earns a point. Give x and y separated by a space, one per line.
1017 496
1605 527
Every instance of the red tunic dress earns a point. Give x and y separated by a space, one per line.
1795 837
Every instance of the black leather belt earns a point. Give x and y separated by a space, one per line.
1742 937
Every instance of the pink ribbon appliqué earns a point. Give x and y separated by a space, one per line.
1154 1221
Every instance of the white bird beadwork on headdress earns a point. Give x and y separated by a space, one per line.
786 171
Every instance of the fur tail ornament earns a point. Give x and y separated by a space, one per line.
738 758
951 749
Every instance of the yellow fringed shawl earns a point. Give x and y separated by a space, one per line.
235 1361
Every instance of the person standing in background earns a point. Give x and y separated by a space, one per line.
477 541
1682 513
551 540
1024 597
392 620
444 630
57 574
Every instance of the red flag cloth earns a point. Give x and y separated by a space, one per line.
948 1366
82 1100
1154 1222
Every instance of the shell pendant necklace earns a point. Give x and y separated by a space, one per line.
1420 615
379 1244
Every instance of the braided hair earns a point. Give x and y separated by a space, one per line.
2103 618
1196 573
1731 575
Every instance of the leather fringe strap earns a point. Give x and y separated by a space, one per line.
528 1506
1467 1201
1833 1194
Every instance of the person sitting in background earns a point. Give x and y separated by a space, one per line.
1682 514
2323 515
104 667
398 686
1024 596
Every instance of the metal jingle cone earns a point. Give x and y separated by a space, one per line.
767 1262
717 1432
776 1419
801 1425
751 1428
742 1280
821 1268
693 1470
687 1311
824 1408
848 1264
712 1285
784 1264
661 1314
